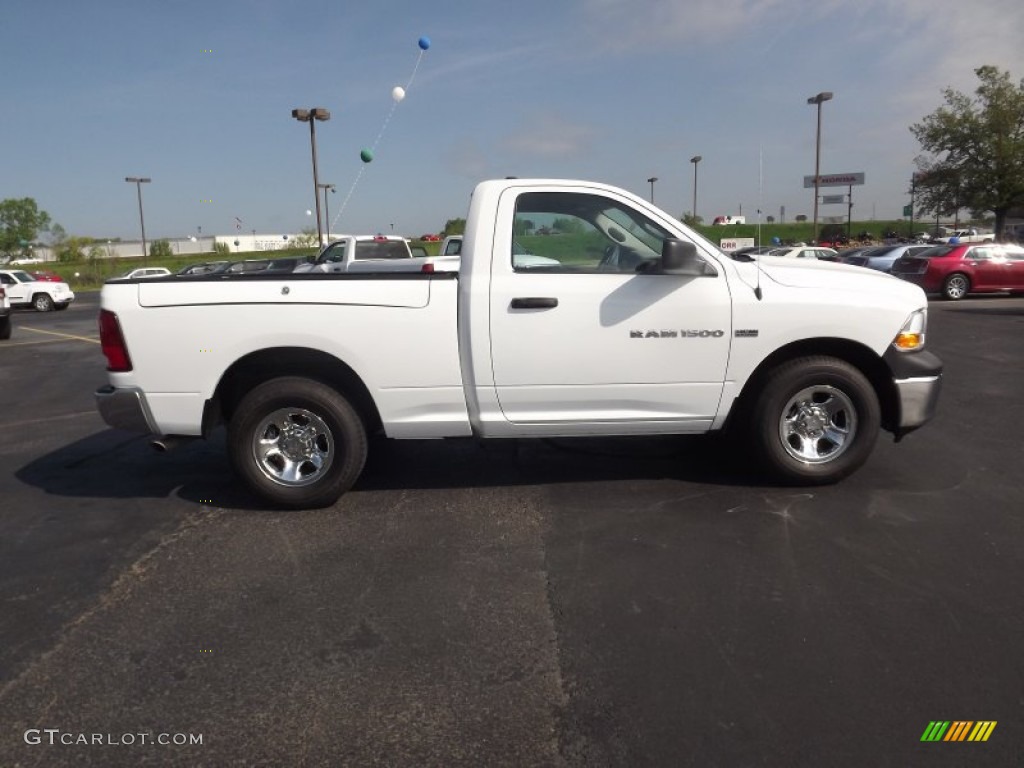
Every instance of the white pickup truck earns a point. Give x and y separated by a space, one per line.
373 253
966 236
633 325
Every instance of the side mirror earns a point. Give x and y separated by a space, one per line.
679 257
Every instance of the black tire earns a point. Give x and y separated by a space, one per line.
324 454
815 421
5 327
956 286
42 302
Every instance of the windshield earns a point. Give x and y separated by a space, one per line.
22 277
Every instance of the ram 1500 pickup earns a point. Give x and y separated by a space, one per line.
631 324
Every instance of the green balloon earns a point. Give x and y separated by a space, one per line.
366 156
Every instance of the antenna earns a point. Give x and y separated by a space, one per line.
760 199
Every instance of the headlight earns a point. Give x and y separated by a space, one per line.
911 335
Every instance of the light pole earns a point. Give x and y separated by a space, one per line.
818 100
695 159
139 181
327 209
311 116
651 182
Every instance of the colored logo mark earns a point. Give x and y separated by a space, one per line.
958 730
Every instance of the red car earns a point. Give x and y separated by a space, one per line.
48 277
430 238
956 270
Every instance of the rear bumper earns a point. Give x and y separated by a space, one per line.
125 408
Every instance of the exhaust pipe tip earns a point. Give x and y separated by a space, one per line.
167 443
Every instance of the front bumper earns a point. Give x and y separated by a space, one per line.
125 408
918 380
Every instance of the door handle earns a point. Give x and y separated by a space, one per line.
534 302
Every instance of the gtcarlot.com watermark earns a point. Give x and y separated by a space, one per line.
55 737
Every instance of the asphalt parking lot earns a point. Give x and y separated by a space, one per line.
613 602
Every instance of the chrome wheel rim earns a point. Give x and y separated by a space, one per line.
818 424
956 287
293 447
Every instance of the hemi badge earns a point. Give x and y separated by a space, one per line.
746 333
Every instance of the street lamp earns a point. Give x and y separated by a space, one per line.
818 100
651 182
327 209
311 116
695 159
138 187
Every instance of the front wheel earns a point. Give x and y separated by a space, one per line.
815 421
956 287
297 443
42 302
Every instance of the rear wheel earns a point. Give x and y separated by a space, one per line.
297 443
956 286
815 421
42 302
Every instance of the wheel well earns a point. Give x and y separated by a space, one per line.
860 357
255 368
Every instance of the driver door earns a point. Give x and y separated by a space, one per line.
581 337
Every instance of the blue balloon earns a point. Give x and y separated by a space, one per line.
424 43
776 240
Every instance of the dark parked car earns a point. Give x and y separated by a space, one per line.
956 270
881 257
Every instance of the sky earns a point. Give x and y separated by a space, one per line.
198 96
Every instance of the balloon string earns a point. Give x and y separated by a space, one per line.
344 203
376 141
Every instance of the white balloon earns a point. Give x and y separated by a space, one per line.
398 93
309 212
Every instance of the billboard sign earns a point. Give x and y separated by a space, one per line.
834 180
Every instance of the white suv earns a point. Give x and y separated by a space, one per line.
25 291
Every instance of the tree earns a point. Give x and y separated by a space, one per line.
977 149
20 222
454 227
161 249
71 248
692 221
801 217
523 226
566 226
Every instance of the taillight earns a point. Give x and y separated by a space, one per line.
427 268
112 342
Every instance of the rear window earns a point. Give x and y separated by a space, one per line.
375 249
938 251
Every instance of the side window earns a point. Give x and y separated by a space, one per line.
572 232
334 253
979 254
